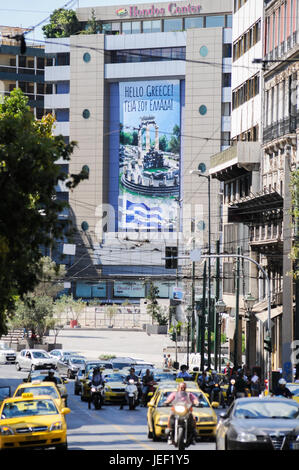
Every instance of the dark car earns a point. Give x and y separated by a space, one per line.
78 381
259 424
68 366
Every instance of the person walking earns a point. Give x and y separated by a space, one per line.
255 385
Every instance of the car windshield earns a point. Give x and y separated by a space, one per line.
76 360
203 403
163 376
114 378
264 410
28 408
121 365
92 366
294 388
36 391
40 355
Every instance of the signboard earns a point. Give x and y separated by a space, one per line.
129 289
149 155
88 290
171 9
177 293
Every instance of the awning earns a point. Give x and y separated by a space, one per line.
254 208
263 316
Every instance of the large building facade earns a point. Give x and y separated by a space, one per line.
147 99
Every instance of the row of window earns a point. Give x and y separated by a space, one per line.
281 100
250 135
247 40
167 25
245 92
281 24
148 55
23 61
238 4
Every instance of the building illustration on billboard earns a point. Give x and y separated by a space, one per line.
149 155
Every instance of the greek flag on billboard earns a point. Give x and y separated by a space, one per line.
140 215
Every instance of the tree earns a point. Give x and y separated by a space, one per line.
29 209
63 23
153 308
93 26
174 143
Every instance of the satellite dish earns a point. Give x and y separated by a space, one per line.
202 168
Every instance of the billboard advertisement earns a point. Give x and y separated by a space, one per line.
149 155
129 289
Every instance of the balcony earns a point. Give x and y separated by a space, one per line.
235 161
281 128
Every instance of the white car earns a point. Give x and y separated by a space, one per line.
35 359
60 353
7 355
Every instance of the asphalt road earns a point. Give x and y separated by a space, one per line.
109 429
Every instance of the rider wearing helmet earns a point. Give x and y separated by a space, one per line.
282 390
181 395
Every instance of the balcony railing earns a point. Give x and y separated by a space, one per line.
281 128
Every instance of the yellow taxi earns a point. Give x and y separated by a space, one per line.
29 421
158 413
42 374
115 388
294 389
41 388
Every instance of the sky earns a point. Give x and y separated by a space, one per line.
28 13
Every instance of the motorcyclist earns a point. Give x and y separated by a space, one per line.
184 374
181 396
51 377
215 390
282 390
131 376
147 381
97 379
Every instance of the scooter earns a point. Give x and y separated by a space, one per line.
182 437
132 394
96 396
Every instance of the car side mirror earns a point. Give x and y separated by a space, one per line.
223 416
65 411
65 381
215 404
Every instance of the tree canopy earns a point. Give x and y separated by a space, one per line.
29 208
63 23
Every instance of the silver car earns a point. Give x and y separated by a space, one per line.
7 355
35 359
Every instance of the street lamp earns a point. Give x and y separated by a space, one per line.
249 302
189 314
220 308
199 172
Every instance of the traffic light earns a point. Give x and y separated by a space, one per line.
171 255
268 344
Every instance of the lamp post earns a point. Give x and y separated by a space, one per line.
189 317
220 308
199 172
249 302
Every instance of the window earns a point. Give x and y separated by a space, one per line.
40 63
152 26
225 139
229 21
193 22
226 79
136 27
226 109
173 25
215 21
62 88
62 115
227 50
63 58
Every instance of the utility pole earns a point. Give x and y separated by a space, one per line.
217 334
203 319
193 304
237 291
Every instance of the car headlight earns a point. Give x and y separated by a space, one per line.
6 431
162 421
246 437
56 426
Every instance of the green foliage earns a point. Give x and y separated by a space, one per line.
63 23
106 357
92 26
29 209
153 308
111 311
67 304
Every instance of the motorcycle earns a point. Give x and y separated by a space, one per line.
96 396
182 435
132 394
216 395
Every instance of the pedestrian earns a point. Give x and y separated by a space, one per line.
255 385
241 385
228 370
169 361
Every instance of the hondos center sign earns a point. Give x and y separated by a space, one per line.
172 9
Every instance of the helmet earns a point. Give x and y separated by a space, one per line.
282 382
233 381
131 381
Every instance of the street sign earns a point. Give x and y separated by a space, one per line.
195 255
177 293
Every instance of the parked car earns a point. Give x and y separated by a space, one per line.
35 359
269 423
7 355
41 374
70 366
